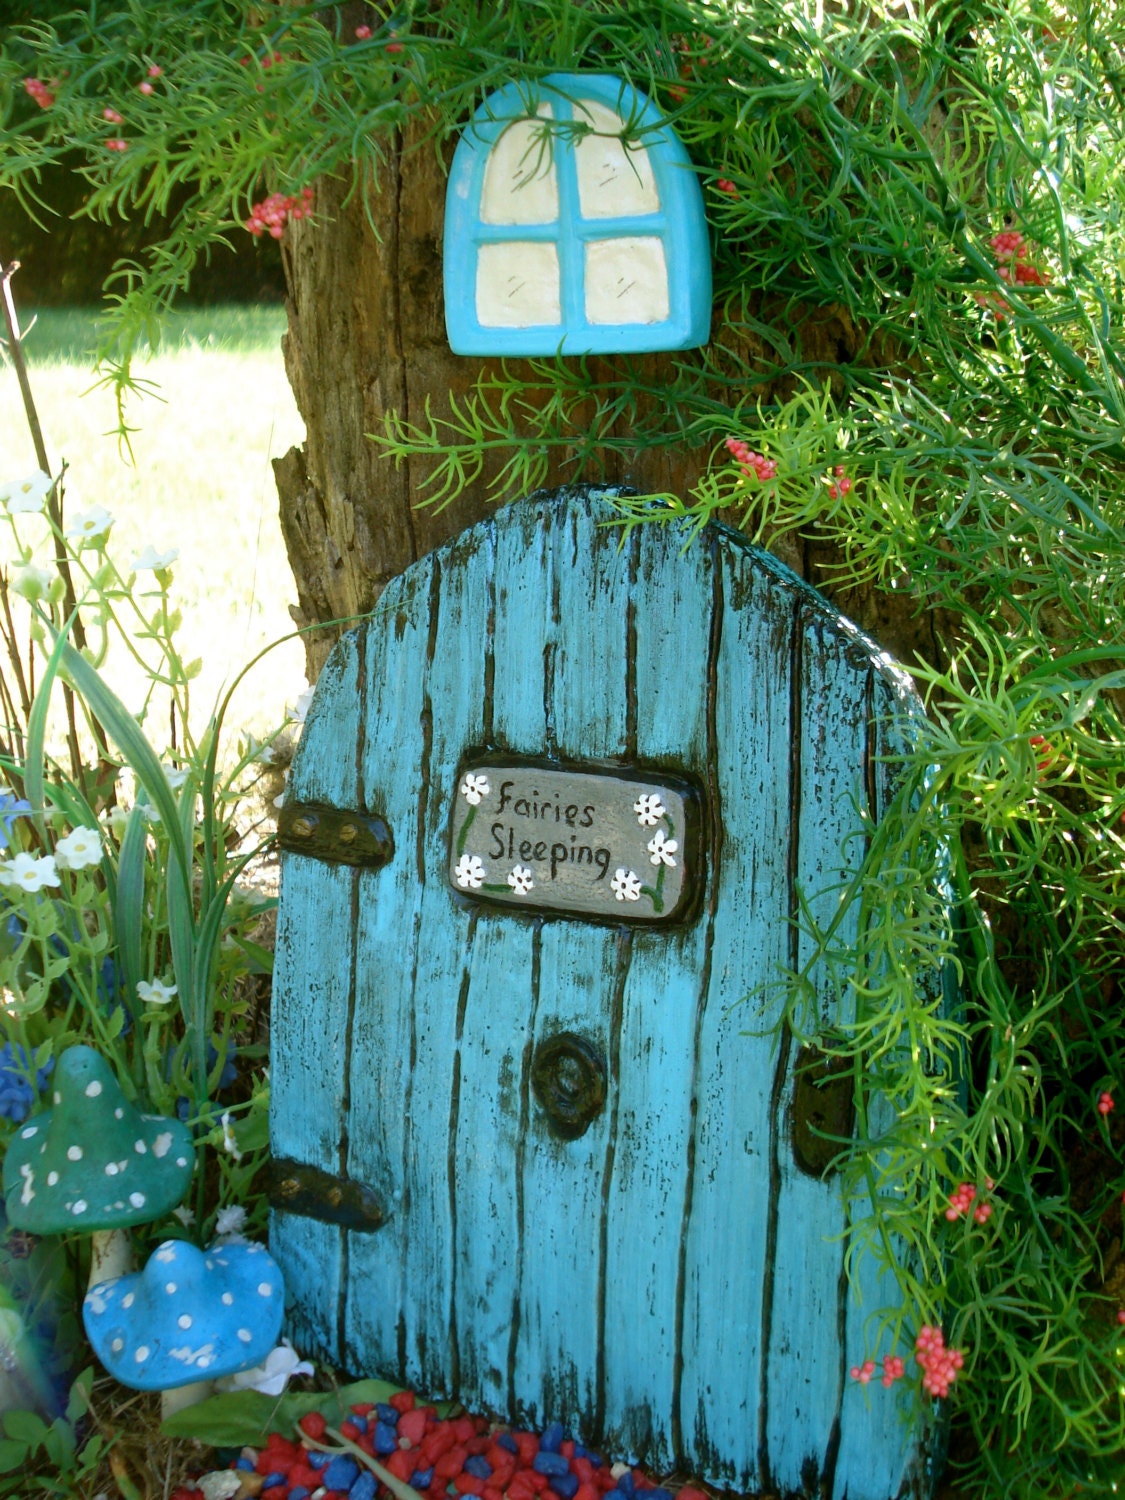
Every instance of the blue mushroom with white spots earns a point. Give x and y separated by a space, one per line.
94 1162
188 1318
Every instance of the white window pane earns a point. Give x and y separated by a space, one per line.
520 182
626 280
518 285
613 180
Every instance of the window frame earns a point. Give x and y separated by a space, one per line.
679 223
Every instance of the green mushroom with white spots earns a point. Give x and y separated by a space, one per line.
93 1162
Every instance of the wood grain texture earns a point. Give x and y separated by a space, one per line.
669 1282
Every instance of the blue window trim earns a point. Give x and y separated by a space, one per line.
680 224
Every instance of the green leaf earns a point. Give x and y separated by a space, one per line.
25 1427
129 908
244 1417
12 1455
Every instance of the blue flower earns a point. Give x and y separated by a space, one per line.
11 808
16 1093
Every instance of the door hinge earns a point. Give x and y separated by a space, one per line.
315 1194
339 835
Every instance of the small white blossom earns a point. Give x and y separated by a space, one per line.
174 775
185 1215
92 525
156 993
649 809
81 847
625 885
470 872
115 819
151 561
662 849
520 880
229 1143
230 1221
299 710
27 495
473 788
272 1375
29 873
32 582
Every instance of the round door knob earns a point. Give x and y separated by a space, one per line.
568 1077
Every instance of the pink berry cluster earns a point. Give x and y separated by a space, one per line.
1010 249
750 462
938 1364
894 1368
39 92
274 212
1105 1102
725 185
962 1199
843 483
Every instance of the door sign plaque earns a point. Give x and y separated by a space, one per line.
591 843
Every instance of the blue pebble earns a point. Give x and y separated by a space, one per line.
595 1458
564 1485
552 1438
579 1451
273 1479
341 1473
300 1493
658 1494
626 1486
360 1422
388 1414
547 1462
478 1465
244 1463
421 1479
364 1487
506 1440
386 1438
318 1460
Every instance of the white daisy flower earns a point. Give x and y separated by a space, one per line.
26 496
649 809
520 880
92 525
81 847
662 849
473 788
151 561
29 873
470 872
625 885
156 993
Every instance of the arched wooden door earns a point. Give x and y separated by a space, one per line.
668 1281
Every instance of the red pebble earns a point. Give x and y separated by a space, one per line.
412 1425
363 1408
464 1428
300 1474
401 1463
566 1447
468 1484
605 1480
451 1463
312 1424
351 1431
687 1492
528 1445
402 1401
583 1468
540 1481
275 1492
521 1486
437 1442
492 1493
185 1492
502 1473
264 1462
587 1491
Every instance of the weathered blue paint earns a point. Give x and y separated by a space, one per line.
669 1284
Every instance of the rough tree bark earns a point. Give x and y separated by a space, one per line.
366 336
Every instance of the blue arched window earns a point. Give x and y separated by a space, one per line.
572 240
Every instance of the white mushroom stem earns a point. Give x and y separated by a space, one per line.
183 1395
111 1255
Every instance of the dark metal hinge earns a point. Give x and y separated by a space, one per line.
340 835
315 1194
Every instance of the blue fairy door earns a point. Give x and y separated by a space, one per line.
545 829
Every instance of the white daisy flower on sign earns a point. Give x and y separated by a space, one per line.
81 847
26 496
625 885
473 788
649 809
156 993
520 880
662 849
29 873
151 561
470 872
92 525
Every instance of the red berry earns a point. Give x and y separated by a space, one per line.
362 33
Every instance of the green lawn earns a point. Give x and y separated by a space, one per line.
201 481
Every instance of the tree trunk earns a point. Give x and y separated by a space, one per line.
366 336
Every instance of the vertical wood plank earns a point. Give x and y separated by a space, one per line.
500 1004
725 1264
880 1448
397 659
804 1372
644 1214
557 1352
310 1006
455 710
